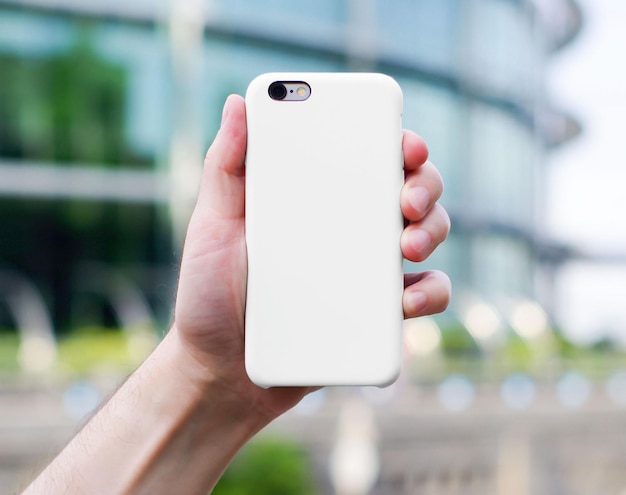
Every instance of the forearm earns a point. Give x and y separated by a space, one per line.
162 432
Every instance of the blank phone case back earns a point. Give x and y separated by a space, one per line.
323 225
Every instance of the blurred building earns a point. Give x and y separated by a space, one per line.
106 108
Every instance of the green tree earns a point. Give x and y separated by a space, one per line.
68 107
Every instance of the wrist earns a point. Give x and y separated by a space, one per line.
203 390
170 428
196 424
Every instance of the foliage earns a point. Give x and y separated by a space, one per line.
70 107
80 352
268 467
93 347
517 352
565 347
67 107
456 340
8 352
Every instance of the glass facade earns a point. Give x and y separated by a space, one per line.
503 55
98 89
428 33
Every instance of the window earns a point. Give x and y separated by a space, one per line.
423 32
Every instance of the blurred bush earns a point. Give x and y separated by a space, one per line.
268 466
8 352
84 351
92 348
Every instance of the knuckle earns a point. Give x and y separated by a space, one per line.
442 222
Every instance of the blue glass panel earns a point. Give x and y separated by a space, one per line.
424 32
23 33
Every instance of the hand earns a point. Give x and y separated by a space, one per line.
427 226
178 420
210 307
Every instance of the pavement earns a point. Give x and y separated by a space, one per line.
418 445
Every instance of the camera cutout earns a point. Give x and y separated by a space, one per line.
289 90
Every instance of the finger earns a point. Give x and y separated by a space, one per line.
422 188
222 192
414 149
420 239
426 293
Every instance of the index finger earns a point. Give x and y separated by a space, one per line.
414 149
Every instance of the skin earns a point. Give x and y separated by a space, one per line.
178 420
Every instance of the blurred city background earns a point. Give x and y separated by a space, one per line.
106 109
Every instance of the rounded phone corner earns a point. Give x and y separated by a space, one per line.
256 376
257 380
390 378
259 80
392 86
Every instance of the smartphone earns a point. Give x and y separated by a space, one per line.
324 169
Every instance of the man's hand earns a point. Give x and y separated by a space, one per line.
210 306
176 423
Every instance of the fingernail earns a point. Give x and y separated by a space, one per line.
420 240
417 301
225 112
419 198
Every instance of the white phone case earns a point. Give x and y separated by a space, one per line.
323 226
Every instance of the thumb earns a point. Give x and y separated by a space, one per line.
222 191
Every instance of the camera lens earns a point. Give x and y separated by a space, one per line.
277 91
